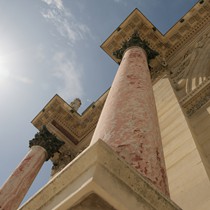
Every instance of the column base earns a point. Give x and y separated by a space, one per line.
98 179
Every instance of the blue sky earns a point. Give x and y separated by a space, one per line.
53 46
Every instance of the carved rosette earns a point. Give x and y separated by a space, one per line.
46 140
135 40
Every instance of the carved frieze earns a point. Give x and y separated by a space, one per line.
190 75
196 99
192 69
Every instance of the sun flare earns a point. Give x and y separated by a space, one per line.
4 72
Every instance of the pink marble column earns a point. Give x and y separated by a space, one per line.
129 123
15 188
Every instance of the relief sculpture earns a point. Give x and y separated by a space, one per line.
193 68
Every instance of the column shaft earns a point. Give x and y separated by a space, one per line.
129 123
17 185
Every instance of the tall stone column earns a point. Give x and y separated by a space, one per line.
43 146
129 122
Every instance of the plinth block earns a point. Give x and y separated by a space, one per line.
99 179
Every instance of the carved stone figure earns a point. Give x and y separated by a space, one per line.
194 67
60 160
76 104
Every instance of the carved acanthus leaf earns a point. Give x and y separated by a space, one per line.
135 40
46 140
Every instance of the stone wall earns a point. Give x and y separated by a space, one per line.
188 182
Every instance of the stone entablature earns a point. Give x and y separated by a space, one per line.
189 68
166 45
189 73
69 126
65 119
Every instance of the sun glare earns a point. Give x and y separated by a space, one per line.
4 72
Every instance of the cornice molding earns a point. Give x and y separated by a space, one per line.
69 126
166 45
75 127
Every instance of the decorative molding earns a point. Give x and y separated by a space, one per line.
196 99
60 111
168 45
194 64
65 132
61 160
74 129
135 40
46 140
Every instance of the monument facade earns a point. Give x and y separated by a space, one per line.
145 143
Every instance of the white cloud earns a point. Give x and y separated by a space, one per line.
57 3
65 23
69 73
67 70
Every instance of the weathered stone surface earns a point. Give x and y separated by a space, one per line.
92 202
189 184
16 187
67 124
101 171
189 69
129 123
75 104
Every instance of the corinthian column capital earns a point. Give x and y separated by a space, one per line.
46 140
135 40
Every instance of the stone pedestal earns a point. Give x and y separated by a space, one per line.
43 146
99 179
129 123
